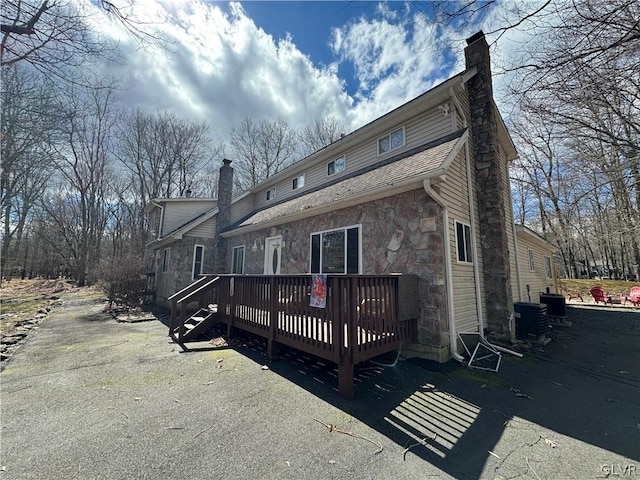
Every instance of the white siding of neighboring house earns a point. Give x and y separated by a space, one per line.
537 280
420 130
177 213
512 241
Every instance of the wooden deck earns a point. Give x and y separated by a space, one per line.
362 318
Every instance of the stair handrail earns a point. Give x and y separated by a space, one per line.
198 290
190 290
201 280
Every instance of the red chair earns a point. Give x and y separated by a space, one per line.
633 297
597 292
574 294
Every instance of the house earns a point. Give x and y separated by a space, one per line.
535 266
423 190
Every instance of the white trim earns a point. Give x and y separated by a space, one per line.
388 135
267 256
467 252
233 258
193 265
335 171
300 184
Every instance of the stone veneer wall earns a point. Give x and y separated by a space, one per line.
491 194
181 266
400 234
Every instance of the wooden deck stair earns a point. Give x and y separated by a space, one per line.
197 324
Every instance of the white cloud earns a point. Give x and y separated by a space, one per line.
220 66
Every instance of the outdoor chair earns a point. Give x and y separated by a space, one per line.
572 294
598 294
633 297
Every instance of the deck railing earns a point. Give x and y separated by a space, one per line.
362 317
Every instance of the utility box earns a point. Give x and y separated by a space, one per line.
556 305
531 319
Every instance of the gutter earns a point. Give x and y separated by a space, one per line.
453 347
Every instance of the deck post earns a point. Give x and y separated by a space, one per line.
272 346
172 317
345 380
183 318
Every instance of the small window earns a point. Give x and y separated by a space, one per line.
198 255
547 267
165 260
336 251
391 141
463 243
298 182
532 266
271 193
337 166
237 265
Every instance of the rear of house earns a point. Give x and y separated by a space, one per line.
422 190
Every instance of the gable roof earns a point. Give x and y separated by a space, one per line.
178 232
397 174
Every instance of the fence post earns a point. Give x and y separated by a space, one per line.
272 346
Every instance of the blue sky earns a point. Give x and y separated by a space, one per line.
296 61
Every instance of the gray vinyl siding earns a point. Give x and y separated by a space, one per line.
177 213
241 208
206 229
419 130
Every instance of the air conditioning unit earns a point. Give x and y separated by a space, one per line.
532 320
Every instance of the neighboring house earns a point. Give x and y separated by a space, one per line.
421 190
535 264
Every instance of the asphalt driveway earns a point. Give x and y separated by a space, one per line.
88 398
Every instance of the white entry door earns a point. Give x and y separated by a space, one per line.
272 255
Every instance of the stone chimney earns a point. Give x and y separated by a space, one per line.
225 190
491 184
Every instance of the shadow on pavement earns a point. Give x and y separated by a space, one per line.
585 384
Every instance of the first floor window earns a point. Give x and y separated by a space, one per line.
198 254
237 264
463 242
532 266
165 259
336 251
547 267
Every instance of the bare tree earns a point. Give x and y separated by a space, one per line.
261 150
79 208
27 126
320 134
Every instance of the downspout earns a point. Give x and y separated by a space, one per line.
515 250
474 248
453 347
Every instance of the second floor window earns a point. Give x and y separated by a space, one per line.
337 166
271 193
391 141
298 182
